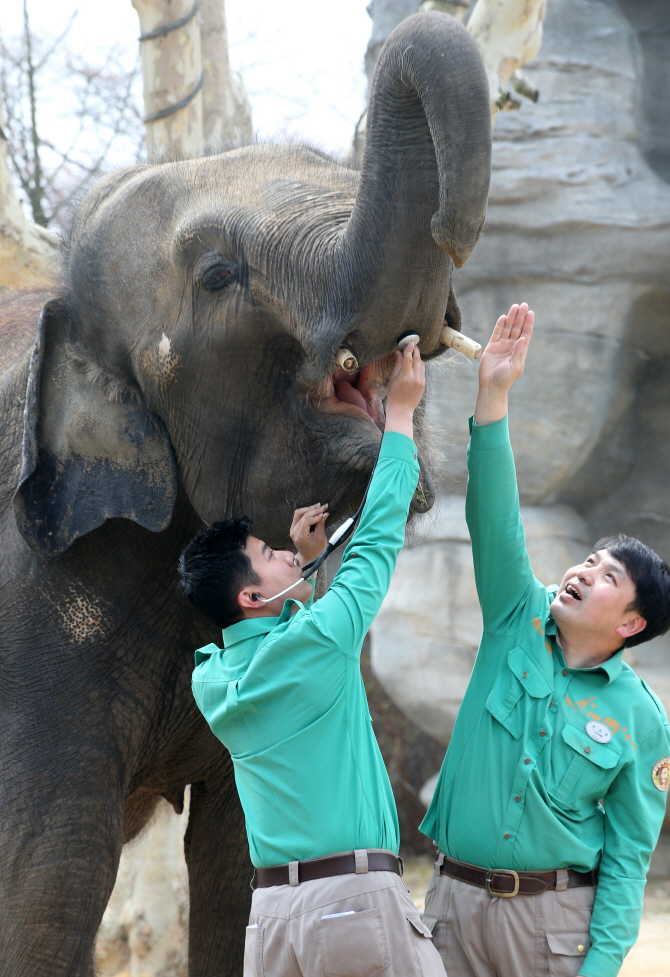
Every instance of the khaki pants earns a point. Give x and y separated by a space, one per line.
293 930
479 935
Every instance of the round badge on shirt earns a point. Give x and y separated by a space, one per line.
660 774
598 732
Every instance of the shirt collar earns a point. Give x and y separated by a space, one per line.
550 627
612 667
249 628
254 626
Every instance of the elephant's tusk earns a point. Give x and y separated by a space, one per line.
468 347
346 359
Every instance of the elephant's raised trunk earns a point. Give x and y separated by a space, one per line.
423 188
428 130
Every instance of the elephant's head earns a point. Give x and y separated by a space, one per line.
207 300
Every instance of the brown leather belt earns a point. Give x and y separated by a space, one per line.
504 882
345 863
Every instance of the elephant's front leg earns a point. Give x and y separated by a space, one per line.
60 845
219 872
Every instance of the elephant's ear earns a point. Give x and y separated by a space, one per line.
91 450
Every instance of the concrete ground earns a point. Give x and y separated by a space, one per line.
648 958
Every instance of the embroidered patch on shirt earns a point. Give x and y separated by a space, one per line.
660 775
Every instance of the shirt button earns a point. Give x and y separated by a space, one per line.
551 703
565 671
542 733
580 947
527 760
517 797
506 835
587 749
525 675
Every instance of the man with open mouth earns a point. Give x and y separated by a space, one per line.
552 793
286 697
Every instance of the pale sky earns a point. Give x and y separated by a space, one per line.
301 60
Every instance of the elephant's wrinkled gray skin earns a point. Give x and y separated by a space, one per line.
186 374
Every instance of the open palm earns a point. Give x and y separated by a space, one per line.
503 360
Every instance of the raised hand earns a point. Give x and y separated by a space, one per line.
502 362
405 390
308 532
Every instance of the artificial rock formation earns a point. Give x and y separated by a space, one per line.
578 225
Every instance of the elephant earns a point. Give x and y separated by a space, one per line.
184 372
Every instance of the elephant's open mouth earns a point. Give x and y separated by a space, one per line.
361 395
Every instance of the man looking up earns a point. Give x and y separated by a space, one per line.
286 698
551 797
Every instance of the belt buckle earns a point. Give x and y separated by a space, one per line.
502 871
252 883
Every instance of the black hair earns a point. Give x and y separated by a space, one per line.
651 576
214 568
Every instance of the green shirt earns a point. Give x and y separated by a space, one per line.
286 696
522 784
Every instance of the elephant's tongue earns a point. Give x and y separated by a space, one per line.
346 392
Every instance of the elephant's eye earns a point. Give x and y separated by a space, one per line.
219 276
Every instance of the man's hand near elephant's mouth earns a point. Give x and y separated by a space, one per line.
361 394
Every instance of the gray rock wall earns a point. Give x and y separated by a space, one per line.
579 226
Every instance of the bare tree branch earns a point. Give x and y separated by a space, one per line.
100 111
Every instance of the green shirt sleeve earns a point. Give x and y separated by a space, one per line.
503 573
634 811
352 601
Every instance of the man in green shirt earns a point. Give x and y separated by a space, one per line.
286 697
553 789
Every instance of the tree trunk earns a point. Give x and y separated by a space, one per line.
27 251
508 34
225 107
173 76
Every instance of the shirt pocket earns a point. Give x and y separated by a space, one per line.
521 675
590 768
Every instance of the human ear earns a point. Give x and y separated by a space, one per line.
632 626
248 599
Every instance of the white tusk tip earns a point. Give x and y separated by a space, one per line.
463 344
